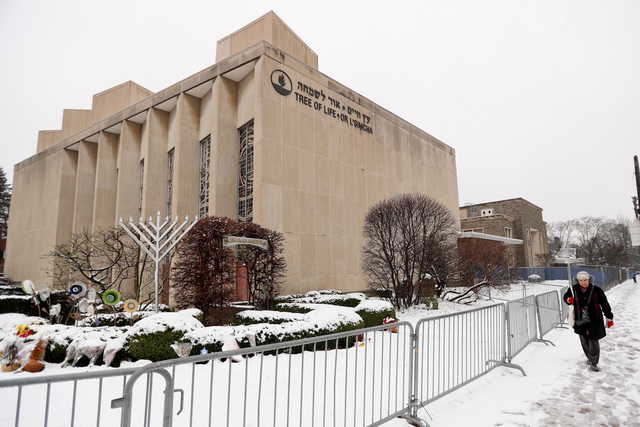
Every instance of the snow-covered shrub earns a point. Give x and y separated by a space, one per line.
321 320
114 319
293 307
324 296
430 302
151 337
210 338
18 304
373 311
250 317
59 338
534 278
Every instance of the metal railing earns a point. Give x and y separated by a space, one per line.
86 398
520 324
549 311
355 378
454 349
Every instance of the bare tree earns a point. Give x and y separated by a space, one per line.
562 231
587 230
5 202
204 270
408 239
106 259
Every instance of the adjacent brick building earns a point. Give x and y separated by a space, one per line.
514 218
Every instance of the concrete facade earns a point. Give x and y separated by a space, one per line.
516 218
322 155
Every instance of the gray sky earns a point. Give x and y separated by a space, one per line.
540 99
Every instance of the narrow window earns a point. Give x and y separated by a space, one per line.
170 180
245 179
141 182
507 232
205 159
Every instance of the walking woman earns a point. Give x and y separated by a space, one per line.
589 303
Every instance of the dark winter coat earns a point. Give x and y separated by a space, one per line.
597 306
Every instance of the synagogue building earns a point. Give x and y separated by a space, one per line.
261 135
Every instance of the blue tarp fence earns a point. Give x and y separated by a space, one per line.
603 275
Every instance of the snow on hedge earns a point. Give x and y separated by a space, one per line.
64 335
317 298
123 318
9 321
373 305
160 322
268 316
323 319
209 335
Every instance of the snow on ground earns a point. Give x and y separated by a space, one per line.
558 390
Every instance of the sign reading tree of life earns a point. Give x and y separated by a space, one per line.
324 104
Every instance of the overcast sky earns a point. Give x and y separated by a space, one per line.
540 99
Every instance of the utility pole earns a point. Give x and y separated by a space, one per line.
636 199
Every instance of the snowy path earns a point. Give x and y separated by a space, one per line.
612 396
558 389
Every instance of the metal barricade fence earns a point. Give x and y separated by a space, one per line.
548 306
521 325
454 349
564 308
72 399
354 378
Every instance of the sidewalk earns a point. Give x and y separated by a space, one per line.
558 390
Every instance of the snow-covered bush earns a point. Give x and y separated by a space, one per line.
293 307
18 304
14 300
321 320
430 302
114 319
534 278
59 338
151 337
374 311
324 297
250 317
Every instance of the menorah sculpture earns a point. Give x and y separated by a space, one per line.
158 239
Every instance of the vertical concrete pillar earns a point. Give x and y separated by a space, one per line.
68 179
85 186
183 138
154 153
104 202
41 214
127 177
225 151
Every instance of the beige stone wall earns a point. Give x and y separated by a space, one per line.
103 105
128 176
316 177
272 29
116 98
73 121
41 214
47 138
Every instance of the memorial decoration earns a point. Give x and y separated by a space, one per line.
111 297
